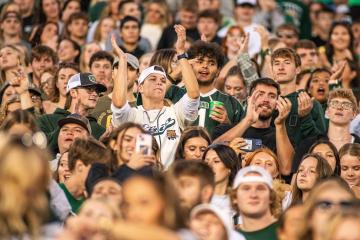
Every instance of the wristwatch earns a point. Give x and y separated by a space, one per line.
183 55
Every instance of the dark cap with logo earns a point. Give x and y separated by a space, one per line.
84 80
77 119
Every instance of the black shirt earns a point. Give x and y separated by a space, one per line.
169 37
318 41
138 52
267 136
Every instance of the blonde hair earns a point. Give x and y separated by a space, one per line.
97 34
346 94
250 157
24 177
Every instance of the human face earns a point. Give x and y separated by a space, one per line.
307 175
132 75
221 172
107 189
206 70
340 38
51 9
194 148
253 199
39 65
86 96
114 6
267 162
347 230
189 191
244 13
232 38
68 133
132 9
154 86
8 58
314 8
284 70
63 169
107 25
11 26
340 111
355 27
208 27
78 28
325 151
207 226
126 143
72 7
93 211
321 216
49 32
234 86
142 203
266 101
145 61
66 51
324 21
309 57
187 19
174 69
293 218
63 78
350 169
288 37
130 32
102 71
319 86
89 50
154 13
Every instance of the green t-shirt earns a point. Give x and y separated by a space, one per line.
233 107
74 203
268 233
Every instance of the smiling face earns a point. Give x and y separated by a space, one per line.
350 169
232 37
234 86
307 174
340 38
266 100
340 111
63 169
319 86
126 143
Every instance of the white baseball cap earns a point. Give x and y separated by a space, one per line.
84 80
263 177
241 2
150 70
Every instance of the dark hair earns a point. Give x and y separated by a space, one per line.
163 58
76 47
194 168
123 3
205 49
210 13
40 16
264 81
288 26
88 152
333 149
286 53
41 51
36 38
19 117
228 157
306 44
189 6
323 171
62 65
129 19
236 71
330 47
101 55
189 133
74 16
324 9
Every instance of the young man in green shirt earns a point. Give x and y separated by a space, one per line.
306 117
207 60
253 199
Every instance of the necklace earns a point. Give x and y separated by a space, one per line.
148 117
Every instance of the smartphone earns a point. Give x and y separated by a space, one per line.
252 144
144 144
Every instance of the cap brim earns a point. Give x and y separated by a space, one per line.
245 4
99 87
64 121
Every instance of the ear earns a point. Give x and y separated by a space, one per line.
79 166
206 193
298 70
73 93
141 88
113 145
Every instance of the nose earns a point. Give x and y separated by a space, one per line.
231 92
197 153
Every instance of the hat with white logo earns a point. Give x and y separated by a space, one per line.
150 70
262 176
84 80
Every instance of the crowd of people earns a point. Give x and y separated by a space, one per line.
180 119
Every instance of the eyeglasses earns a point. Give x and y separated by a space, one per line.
344 105
328 205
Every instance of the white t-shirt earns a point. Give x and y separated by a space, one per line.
164 124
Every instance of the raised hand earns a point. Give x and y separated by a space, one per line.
305 104
252 114
203 38
181 38
116 49
20 82
243 44
283 105
236 144
264 36
139 160
337 72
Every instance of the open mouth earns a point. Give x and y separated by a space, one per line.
321 90
203 73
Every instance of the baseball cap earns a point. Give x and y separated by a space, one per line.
84 80
263 177
131 60
77 119
244 2
150 70
11 14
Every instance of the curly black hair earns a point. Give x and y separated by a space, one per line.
207 49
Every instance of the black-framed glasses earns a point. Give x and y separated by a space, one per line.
344 105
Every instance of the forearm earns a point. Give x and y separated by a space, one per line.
189 79
25 100
247 69
120 88
235 132
284 148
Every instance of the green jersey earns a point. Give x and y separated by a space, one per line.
233 107
74 203
268 233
